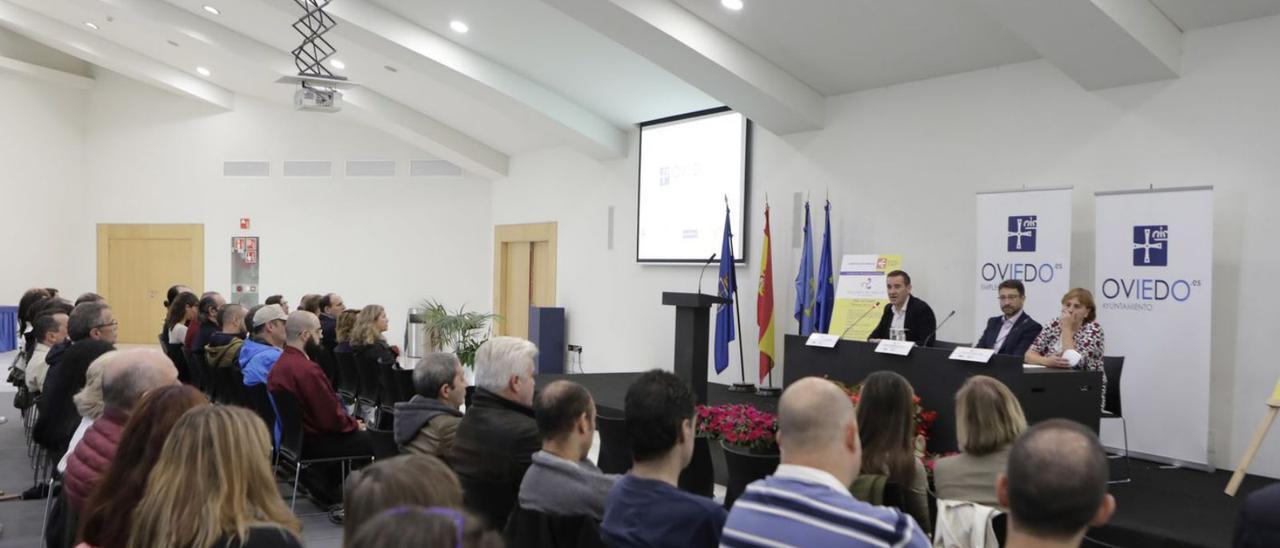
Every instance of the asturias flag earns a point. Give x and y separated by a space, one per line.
826 300
764 303
728 284
804 280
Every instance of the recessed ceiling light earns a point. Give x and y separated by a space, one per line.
734 5
91 25
459 27
203 71
390 68
337 64
212 10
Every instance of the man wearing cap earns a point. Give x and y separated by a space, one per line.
263 348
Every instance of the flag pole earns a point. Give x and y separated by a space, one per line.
743 386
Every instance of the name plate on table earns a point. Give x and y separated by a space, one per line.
899 348
822 339
975 355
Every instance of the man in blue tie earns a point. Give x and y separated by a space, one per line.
1013 331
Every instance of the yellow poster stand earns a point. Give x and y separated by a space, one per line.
860 287
1259 435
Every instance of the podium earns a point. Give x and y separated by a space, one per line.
693 331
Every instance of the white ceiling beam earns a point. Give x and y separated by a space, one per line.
374 109
46 74
109 55
435 55
705 57
1098 43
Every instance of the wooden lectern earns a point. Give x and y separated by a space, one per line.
693 335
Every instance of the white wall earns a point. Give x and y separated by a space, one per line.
41 161
902 164
154 157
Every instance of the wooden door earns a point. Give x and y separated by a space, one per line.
524 274
136 266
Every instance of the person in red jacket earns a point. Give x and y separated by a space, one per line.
128 377
327 430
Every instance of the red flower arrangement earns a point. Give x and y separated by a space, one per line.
739 424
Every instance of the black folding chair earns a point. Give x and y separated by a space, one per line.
1112 368
291 439
348 377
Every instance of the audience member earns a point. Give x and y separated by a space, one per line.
278 299
88 403
645 507
415 526
182 311
367 340
89 297
886 426
93 332
1056 486
328 431
342 333
331 306
311 303
1259 522
29 298
223 349
806 502
427 423
562 481
108 512
212 487
405 480
498 436
207 315
126 378
174 291
260 352
988 420
47 330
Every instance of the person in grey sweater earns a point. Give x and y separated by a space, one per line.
427 423
562 481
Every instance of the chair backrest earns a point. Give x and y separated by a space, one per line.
179 359
369 382
404 385
1113 367
260 402
384 443
348 377
533 529
388 388
615 451
492 500
290 417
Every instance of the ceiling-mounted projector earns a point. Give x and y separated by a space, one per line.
319 100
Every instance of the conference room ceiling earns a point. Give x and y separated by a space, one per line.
534 74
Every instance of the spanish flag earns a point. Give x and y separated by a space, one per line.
764 303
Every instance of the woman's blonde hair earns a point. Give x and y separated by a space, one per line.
89 399
212 481
346 321
988 416
366 331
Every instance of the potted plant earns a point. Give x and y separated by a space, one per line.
461 331
748 437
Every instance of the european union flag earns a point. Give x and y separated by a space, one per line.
728 285
804 281
825 303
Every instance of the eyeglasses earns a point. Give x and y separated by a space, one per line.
111 323
450 513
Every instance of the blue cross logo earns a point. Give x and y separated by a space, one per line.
1151 245
1022 233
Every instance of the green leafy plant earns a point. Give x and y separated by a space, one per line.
461 331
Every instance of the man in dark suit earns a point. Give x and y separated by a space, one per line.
910 314
1013 332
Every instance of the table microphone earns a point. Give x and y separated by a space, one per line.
704 271
855 322
925 342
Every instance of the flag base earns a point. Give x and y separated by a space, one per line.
768 391
742 387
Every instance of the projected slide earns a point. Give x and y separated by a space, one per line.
687 168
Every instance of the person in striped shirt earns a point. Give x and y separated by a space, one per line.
806 502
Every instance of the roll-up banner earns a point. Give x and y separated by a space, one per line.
1023 235
1154 291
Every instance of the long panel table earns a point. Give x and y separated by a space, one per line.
1043 393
